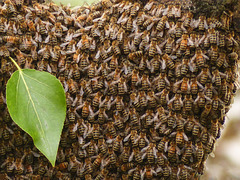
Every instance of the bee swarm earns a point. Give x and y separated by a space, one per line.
148 85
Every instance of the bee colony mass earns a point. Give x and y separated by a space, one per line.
148 85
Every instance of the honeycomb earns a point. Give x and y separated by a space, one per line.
148 85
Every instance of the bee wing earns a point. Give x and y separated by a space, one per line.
80 44
64 28
69 37
64 44
131 157
205 24
126 138
150 26
41 50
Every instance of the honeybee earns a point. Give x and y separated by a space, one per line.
10 8
136 54
111 129
86 109
202 23
20 57
204 75
168 61
73 163
199 151
194 85
98 161
188 20
85 87
231 42
152 48
71 86
180 138
8 164
148 172
188 102
19 168
11 39
162 23
22 23
201 99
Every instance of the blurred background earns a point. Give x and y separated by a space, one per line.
224 163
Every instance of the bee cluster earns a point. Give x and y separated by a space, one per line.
147 84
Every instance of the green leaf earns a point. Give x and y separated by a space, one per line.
36 102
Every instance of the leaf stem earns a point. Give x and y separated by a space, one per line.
15 63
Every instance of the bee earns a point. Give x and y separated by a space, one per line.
179 29
76 72
168 60
103 174
42 169
98 161
19 166
203 76
129 25
163 144
72 130
145 40
183 43
136 54
133 116
185 67
10 8
222 40
202 23
22 23
199 151
148 117
86 109
111 129
8 164
118 121
20 56
152 99
185 86
150 152
84 61
172 150
201 99
169 45
216 77
73 163
85 87
11 39
6 132
188 20
124 156
230 41
102 145
213 36
72 87
206 111
91 146
162 23
177 102
142 98
180 138
209 90
152 48
112 157
162 81
171 120
18 139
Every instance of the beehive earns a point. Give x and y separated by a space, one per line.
148 85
